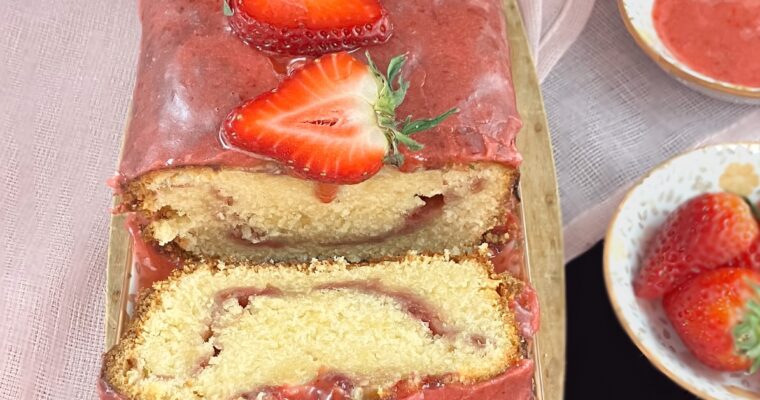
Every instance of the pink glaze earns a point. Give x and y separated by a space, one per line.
510 256
327 386
193 71
527 312
514 384
150 263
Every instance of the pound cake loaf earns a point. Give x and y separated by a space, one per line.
406 329
202 197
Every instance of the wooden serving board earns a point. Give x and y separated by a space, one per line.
540 215
542 223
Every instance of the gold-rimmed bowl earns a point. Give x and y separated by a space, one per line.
727 167
638 18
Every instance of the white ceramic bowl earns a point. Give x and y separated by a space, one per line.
637 15
727 167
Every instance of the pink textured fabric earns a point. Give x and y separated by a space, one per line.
614 114
66 71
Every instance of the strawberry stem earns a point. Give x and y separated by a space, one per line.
393 90
226 9
747 334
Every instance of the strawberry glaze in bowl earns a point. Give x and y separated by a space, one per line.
726 167
640 23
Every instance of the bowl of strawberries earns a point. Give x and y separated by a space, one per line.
682 269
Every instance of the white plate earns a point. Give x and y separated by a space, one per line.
727 167
637 15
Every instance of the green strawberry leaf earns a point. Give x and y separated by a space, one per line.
747 334
395 79
392 92
424 124
394 67
226 9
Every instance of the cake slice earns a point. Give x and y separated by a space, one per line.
259 216
325 330
203 199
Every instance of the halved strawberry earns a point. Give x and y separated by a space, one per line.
309 27
332 121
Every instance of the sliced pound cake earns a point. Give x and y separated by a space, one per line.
334 330
260 216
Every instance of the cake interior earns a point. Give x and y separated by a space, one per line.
260 216
229 332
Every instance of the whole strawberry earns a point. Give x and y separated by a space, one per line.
704 233
748 259
717 315
309 27
332 121
751 257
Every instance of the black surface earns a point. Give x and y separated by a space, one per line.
602 362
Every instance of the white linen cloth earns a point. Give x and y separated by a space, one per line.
66 76
613 115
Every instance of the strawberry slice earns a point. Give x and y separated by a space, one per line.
332 121
309 27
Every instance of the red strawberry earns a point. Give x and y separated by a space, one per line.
748 259
704 233
717 316
309 27
751 257
332 121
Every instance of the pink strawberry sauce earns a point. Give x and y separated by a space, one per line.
720 39
326 192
